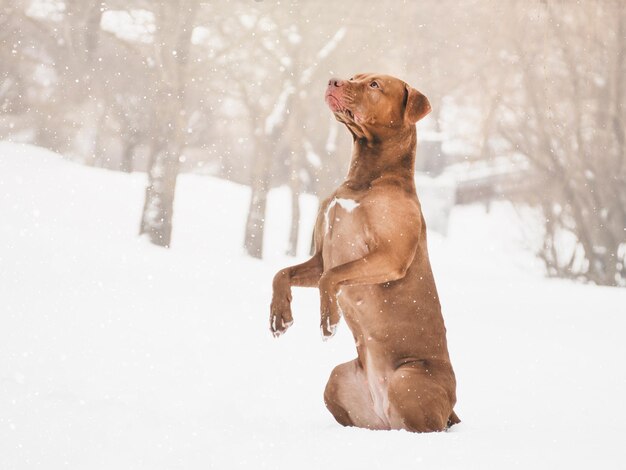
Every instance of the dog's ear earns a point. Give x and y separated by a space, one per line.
417 105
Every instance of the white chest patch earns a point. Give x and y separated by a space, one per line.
347 204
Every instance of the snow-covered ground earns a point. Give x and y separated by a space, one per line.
115 354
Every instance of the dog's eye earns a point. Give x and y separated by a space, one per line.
350 79
374 85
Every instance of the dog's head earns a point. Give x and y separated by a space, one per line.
375 105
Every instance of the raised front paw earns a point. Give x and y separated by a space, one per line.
280 315
330 314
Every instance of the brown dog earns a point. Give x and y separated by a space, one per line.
371 265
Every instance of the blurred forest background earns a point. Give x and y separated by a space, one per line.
527 96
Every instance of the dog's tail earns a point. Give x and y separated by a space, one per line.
453 419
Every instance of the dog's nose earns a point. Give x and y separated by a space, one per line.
335 82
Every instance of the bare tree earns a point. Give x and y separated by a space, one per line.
565 114
297 48
174 26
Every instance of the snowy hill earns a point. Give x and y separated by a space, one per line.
115 354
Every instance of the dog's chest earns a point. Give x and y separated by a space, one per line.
345 232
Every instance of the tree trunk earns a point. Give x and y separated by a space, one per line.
174 28
158 210
260 184
126 162
295 164
255 222
292 250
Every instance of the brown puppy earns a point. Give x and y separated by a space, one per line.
371 265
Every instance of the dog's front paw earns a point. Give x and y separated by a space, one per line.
329 316
280 315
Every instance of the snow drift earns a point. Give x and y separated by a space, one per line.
118 354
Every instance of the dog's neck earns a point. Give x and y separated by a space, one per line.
373 159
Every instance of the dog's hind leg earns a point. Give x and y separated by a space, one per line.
348 398
418 402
